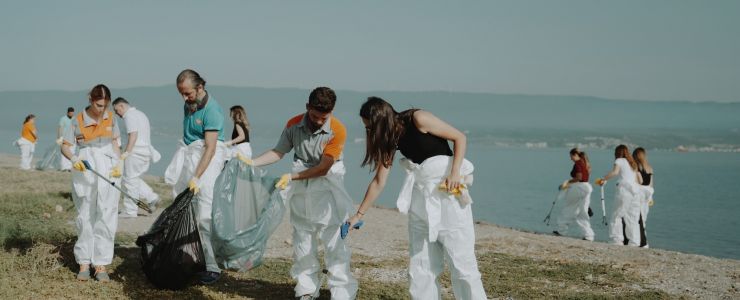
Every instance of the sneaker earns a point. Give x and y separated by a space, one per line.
556 233
84 275
305 297
590 239
209 277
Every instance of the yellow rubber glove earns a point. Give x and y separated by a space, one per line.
244 159
284 181
78 165
194 185
116 171
651 202
600 181
456 191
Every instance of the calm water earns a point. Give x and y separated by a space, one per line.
696 199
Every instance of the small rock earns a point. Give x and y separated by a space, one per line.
47 215
589 277
288 242
59 208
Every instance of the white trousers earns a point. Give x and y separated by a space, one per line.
575 210
134 167
306 268
457 246
204 198
626 212
27 149
96 203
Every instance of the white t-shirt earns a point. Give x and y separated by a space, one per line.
626 174
136 121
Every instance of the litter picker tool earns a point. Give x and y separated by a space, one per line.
603 206
139 203
547 219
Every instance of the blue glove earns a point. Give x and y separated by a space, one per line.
344 230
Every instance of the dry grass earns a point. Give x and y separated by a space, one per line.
37 261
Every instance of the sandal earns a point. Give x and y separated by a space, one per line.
101 274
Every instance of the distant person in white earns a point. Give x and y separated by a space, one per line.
136 157
65 124
626 212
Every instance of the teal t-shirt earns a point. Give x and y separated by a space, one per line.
208 118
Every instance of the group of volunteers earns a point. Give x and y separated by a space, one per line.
632 198
434 194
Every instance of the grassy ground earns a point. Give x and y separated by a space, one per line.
36 261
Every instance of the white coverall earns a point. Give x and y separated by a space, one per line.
96 202
575 211
189 158
440 228
318 207
174 170
134 167
64 163
27 149
626 207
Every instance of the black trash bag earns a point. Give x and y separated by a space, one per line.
171 252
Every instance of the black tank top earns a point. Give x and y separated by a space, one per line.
235 133
418 146
646 177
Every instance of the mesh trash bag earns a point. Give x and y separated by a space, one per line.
247 209
171 251
52 159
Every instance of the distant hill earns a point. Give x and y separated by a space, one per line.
500 119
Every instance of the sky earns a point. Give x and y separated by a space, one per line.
642 50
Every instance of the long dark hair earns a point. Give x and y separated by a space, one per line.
623 152
642 163
239 115
582 155
384 129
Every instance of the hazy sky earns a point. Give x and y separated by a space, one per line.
656 50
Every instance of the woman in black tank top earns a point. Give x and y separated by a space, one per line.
423 139
416 145
646 173
240 133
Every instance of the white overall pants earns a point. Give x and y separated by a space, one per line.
440 228
135 165
318 207
575 211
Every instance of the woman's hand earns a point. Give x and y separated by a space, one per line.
452 182
353 220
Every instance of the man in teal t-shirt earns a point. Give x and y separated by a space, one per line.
203 132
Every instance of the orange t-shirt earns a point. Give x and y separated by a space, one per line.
29 132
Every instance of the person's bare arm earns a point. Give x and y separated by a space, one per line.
376 186
239 137
132 136
211 139
429 123
270 157
316 171
612 173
